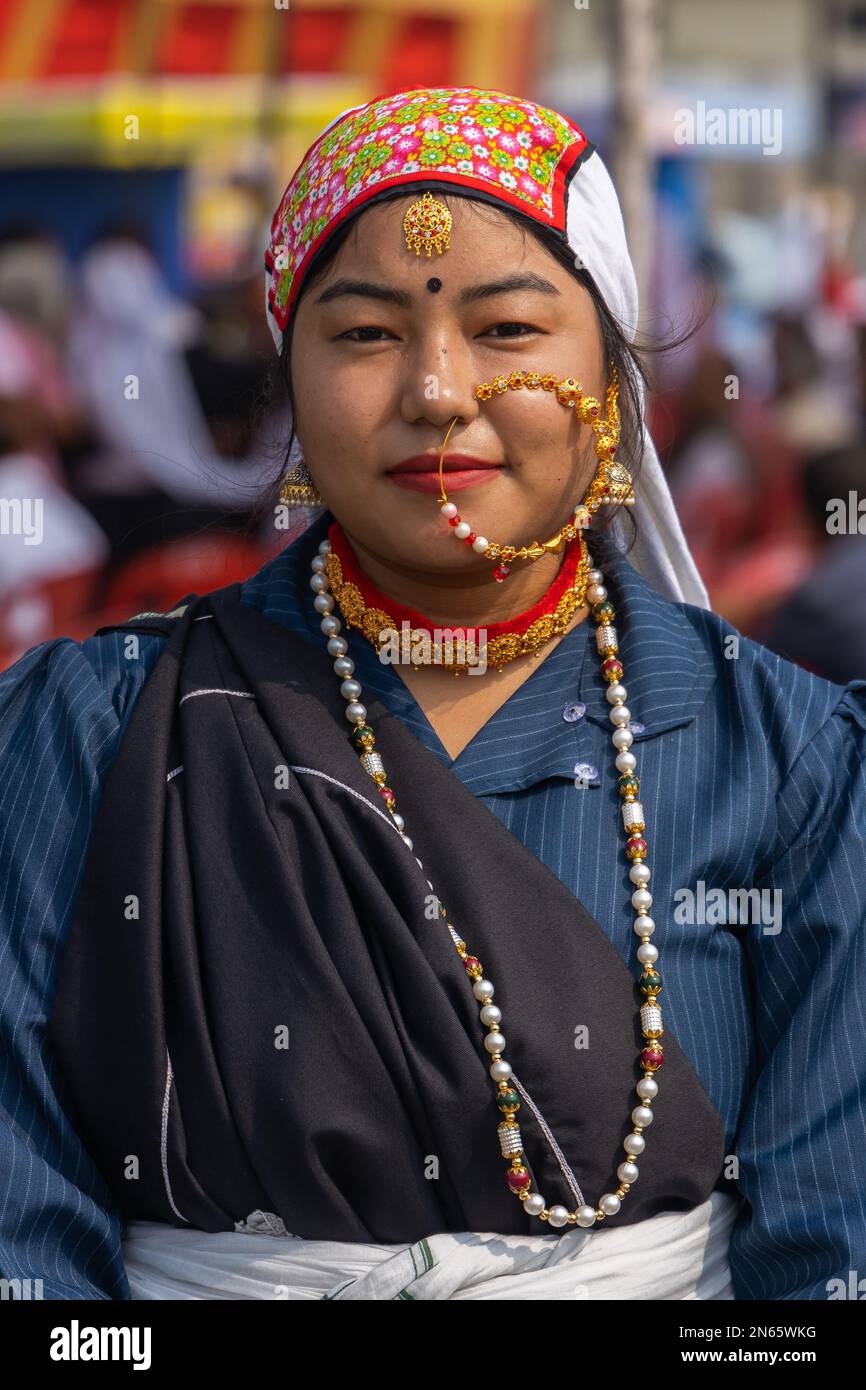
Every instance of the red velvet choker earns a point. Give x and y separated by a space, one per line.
382 619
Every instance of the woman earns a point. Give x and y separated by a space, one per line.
333 922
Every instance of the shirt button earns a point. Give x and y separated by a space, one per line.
574 712
636 728
586 772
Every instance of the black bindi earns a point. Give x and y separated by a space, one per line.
434 284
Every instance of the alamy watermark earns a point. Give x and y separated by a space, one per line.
21 1290
734 125
442 646
77 1343
853 1288
846 516
736 907
22 516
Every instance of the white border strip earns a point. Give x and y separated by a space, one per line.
163 1138
314 771
245 694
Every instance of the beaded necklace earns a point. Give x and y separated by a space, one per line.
508 1090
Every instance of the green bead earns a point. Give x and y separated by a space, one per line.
361 734
508 1101
650 982
628 785
604 612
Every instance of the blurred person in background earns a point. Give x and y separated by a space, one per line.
46 579
822 625
735 480
35 279
809 409
157 473
35 300
709 463
861 377
230 368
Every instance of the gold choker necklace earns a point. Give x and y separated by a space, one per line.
389 624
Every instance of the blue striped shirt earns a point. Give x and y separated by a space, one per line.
753 780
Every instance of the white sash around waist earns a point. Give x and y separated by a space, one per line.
672 1256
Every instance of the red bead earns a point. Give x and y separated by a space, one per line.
650 1058
612 667
471 963
636 847
454 520
386 793
501 572
467 540
518 1181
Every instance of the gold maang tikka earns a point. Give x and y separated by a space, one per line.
612 483
427 224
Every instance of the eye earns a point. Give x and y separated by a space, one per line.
367 328
522 329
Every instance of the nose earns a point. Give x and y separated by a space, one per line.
439 382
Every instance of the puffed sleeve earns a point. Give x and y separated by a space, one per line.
63 707
800 1141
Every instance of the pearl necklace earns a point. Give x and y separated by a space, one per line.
651 1057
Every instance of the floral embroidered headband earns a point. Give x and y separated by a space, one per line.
501 148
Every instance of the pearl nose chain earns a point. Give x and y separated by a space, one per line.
611 484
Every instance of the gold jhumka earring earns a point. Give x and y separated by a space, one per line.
297 488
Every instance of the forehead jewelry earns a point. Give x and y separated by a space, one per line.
427 224
612 482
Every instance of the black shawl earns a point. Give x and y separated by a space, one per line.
258 1007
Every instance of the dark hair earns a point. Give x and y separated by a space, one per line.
627 356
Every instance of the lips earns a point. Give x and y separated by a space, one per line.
429 463
421 473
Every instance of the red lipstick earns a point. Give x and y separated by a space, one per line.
420 473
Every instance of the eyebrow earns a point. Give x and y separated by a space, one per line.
367 289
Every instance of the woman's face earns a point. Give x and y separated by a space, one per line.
378 375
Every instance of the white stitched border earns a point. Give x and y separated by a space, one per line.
245 694
314 771
557 1151
163 1138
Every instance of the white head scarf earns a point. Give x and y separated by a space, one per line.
596 234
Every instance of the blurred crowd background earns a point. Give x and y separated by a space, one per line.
145 143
